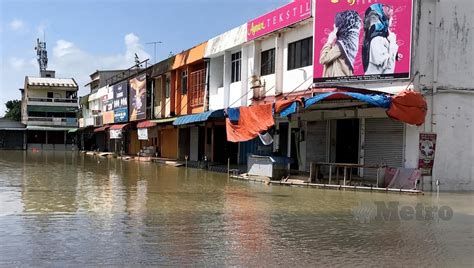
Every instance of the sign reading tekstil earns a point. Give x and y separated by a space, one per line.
360 40
282 17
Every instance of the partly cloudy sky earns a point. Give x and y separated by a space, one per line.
84 36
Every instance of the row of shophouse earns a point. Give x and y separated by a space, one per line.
177 108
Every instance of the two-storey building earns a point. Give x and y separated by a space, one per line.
49 107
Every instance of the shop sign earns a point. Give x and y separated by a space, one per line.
137 98
277 19
120 102
361 40
143 134
115 134
427 149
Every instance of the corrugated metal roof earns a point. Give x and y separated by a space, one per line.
51 82
7 124
49 128
196 118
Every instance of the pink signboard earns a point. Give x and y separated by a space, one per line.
282 17
358 40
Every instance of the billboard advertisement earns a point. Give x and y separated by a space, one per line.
282 17
361 40
121 102
427 149
108 107
137 98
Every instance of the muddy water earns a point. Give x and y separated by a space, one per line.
70 209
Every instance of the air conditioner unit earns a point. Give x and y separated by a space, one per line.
257 87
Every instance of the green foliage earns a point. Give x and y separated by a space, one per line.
13 110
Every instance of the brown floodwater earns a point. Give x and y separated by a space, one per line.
71 209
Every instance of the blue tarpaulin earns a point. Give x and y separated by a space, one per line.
377 100
197 118
233 114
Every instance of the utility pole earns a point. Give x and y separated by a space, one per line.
154 48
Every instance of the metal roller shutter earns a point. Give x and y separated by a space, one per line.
316 142
383 144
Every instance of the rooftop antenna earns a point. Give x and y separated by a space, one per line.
42 54
137 61
154 48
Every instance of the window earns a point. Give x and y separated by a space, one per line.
184 82
235 76
196 87
167 88
300 53
268 62
50 95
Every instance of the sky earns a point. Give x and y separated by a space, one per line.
89 35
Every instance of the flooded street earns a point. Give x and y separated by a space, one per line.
73 209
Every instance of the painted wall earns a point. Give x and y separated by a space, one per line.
293 78
443 51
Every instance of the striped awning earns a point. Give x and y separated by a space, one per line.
101 129
118 127
164 120
146 124
197 118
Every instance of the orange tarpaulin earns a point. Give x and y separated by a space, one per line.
252 121
282 104
409 107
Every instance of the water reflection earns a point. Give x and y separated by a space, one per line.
74 209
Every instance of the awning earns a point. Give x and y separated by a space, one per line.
118 127
101 129
196 118
146 124
43 128
73 130
164 120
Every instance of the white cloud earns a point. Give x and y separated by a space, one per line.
16 63
17 25
68 60
71 61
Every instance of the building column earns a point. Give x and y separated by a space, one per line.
245 76
279 47
227 77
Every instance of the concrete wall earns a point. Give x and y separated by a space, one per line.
443 51
297 79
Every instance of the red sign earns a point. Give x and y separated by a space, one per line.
282 17
427 148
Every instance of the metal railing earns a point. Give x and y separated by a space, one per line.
52 119
53 100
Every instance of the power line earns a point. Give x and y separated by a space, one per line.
154 48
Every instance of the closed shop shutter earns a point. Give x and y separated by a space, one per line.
316 142
383 144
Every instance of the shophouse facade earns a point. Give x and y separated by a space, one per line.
48 109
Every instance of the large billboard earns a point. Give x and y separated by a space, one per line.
282 17
138 98
360 40
121 102
108 107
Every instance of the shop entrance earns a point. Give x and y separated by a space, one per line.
347 141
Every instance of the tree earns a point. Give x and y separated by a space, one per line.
13 110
